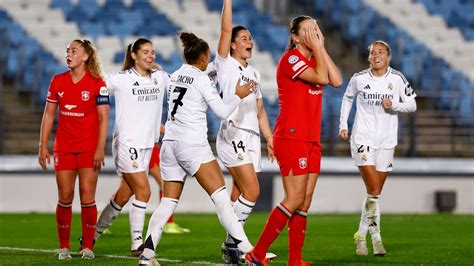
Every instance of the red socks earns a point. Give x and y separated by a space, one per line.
63 223
89 221
296 236
275 223
171 219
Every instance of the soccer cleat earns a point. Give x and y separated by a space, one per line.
174 228
87 254
231 253
63 254
269 256
251 260
305 263
137 252
361 245
144 261
379 250
81 247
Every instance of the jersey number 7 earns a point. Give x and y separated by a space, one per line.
178 101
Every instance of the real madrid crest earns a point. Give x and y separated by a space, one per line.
390 86
155 81
240 157
135 164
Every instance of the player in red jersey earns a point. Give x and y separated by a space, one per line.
302 72
83 102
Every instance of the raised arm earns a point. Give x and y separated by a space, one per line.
334 75
223 47
319 74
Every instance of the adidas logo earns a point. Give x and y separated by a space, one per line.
136 83
390 165
367 87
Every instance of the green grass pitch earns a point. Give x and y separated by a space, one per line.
438 239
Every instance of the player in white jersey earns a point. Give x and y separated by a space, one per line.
238 142
186 150
381 93
138 92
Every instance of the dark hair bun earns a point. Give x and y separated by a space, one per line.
188 39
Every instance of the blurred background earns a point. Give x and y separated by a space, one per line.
432 45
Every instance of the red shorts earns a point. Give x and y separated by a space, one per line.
155 157
73 161
299 157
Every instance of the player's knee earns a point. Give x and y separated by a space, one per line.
65 195
143 195
251 194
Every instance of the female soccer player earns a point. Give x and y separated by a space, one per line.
381 92
302 71
83 102
138 92
186 150
238 142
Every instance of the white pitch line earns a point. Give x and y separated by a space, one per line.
107 255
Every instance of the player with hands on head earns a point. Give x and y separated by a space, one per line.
302 72
83 117
381 92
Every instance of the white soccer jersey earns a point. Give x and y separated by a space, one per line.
189 94
138 106
229 71
373 125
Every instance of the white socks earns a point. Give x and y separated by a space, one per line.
370 218
108 215
137 220
229 219
242 208
157 223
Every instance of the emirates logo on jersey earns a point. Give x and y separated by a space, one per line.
303 163
85 95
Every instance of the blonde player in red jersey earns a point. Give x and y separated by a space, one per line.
302 72
382 92
83 102
238 142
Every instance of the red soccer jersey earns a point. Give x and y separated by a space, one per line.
78 122
300 102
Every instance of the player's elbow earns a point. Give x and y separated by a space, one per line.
336 84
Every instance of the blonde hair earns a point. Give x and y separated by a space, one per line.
93 62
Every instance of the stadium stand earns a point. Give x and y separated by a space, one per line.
433 51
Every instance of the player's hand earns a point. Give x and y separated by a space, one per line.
344 134
271 153
387 103
320 34
311 39
44 157
244 90
99 160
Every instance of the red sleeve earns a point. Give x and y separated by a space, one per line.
52 93
293 64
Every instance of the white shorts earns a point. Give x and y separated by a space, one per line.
129 159
365 155
179 159
237 147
